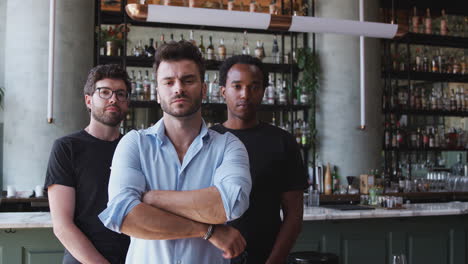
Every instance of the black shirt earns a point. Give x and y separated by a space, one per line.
276 166
83 162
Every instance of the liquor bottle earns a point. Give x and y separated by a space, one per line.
234 47
305 138
213 89
458 168
146 87
434 64
425 139
272 7
441 61
172 37
443 24
210 50
259 51
283 95
207 82
425 64
139 49
133 85
428 22
270 90
275 52
201 47
335 180
458 100
221 50
297 132
436 138
328 180
304 97
400 137
181 37
415 21
412 97
418 63
453 101
423 99
463 66
252 6
431 138
419 139
387 135
456 67
245 45
230 5
167 2
191 3
163 41
153 88
151 50
394 138
191 39
139 87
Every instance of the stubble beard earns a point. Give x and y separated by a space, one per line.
190 111
111 119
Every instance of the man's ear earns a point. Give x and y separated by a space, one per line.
88 101
223 91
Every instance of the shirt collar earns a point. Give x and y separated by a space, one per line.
159 131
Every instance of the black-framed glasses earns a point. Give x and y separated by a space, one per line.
106 93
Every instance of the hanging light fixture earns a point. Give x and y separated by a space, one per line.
261 21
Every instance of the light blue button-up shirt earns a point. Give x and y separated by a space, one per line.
147 160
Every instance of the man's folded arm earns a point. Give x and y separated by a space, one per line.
226 200
125 213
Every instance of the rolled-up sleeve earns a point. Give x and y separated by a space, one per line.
232 178
126 184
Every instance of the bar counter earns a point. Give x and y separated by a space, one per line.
43 220
427 233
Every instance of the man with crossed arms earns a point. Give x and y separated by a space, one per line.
175 184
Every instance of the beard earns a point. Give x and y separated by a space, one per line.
192 109
112 119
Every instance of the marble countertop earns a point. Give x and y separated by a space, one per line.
43 220
25 220
410 210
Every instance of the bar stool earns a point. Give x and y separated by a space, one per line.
310 257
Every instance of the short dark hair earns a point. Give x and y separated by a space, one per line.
241 59
177 51
107 71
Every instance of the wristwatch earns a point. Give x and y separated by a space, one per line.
209 233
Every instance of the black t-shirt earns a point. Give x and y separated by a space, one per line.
83 162
276 166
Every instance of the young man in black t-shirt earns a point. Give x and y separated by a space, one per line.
276 166
79 169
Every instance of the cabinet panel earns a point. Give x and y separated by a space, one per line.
363 248
32 255
419 243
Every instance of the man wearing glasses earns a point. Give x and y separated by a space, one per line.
79 169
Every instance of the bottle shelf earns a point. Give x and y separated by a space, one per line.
427 112
434 40
222 106
426 76
451 7
147 62
406 149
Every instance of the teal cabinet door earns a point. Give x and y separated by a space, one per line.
424 240
30 246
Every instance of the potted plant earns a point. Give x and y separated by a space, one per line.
112 38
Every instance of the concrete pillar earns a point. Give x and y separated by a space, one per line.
340 142
28 137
